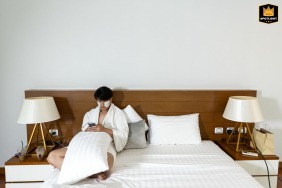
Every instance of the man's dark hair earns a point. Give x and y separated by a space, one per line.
103 93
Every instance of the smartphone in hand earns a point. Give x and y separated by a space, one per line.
91 124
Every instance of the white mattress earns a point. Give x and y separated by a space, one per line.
203 165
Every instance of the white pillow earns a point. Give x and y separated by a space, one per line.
174 129
132 116
86 155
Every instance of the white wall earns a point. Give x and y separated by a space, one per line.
148 44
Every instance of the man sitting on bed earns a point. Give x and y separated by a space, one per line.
108 118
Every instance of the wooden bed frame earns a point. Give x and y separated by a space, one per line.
73 104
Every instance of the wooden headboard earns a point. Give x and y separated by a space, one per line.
73 104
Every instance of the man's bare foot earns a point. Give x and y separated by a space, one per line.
100 176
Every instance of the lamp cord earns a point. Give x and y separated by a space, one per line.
59 143
268 176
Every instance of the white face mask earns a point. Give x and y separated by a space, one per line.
107 104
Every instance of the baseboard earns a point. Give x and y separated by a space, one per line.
2 170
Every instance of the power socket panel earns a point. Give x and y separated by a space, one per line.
242 130
218 130
229 130
54 132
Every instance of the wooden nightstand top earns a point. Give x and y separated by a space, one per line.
29 160
238 155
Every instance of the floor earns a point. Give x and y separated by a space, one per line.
2 181
279 183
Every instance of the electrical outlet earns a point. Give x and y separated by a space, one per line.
229 130
242 130
54 132
218 130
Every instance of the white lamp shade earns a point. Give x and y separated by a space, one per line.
38 110
243 109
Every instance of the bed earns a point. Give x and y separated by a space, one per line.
202 164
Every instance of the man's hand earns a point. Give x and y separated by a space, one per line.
99 128
96 128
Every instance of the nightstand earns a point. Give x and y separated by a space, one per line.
254 165
28 173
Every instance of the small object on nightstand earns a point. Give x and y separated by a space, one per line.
21 153
40 152
248 153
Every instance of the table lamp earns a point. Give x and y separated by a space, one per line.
38 111
243 110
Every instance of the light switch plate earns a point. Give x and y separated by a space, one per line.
218 130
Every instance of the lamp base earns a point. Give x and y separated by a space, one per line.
31 147
242 143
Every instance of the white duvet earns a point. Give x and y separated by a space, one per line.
171 166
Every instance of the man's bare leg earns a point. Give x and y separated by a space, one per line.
56 157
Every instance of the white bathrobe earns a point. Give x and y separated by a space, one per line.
115 120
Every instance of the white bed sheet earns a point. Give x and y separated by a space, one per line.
203 165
